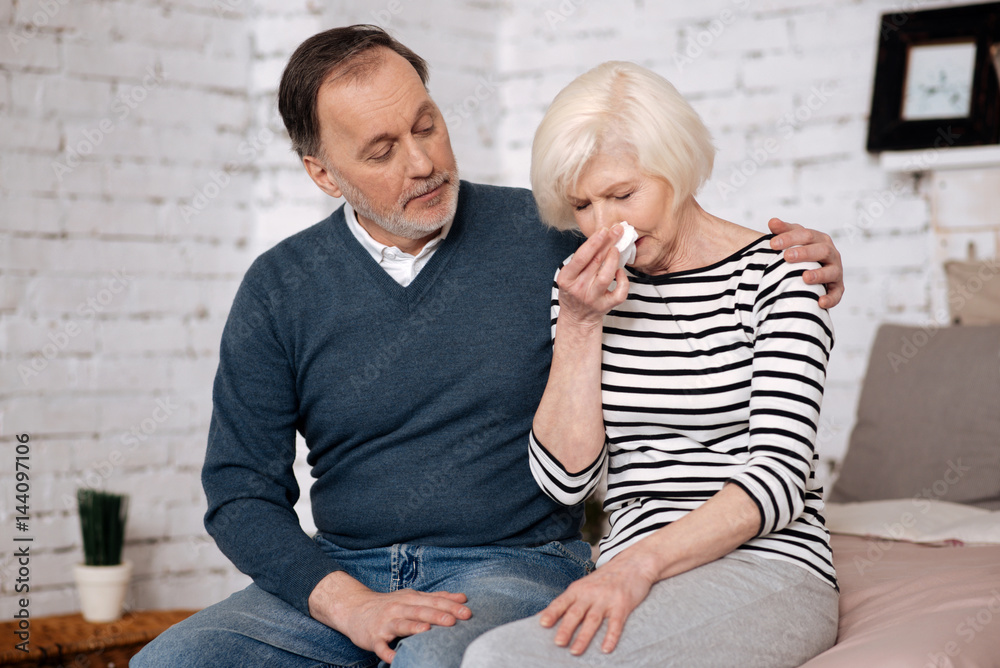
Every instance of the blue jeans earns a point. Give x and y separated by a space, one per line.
255 628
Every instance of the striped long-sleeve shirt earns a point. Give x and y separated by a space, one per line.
709 376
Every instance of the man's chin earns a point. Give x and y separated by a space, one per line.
432 214
417 226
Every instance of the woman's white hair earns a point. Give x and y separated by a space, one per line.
617 103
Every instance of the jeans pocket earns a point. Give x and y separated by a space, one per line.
576 551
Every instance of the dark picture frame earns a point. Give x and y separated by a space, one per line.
947 104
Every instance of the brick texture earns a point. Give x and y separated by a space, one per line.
143 167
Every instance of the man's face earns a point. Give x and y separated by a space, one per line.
387 150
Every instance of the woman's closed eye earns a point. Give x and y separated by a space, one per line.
580 206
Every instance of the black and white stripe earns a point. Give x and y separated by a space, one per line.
710 376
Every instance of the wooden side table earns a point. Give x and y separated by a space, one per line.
67 640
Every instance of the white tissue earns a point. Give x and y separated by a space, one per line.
626 249
626 245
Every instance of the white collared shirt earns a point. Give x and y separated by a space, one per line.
402 266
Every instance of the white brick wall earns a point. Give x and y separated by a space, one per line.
112 115
142 138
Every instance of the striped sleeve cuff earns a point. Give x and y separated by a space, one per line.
563 487
777 503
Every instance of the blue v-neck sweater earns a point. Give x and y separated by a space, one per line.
415 402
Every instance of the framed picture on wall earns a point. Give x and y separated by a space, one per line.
936 80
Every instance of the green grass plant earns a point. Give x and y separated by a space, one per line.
102 524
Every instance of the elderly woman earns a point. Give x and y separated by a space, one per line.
694 377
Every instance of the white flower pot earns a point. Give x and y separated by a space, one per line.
102 590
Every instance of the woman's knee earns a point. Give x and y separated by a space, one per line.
483 653
493 649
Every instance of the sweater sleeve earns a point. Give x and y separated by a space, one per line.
793 337
247 475
559 484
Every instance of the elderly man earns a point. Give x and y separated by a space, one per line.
407 338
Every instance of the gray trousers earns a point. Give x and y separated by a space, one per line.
741 610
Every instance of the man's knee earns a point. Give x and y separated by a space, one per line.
164 650
441 647
179 647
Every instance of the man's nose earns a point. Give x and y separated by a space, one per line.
419 163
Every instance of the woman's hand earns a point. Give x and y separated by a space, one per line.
583 283
611 592
816 247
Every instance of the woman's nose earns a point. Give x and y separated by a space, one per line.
605 216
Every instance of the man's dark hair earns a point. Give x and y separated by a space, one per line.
351 49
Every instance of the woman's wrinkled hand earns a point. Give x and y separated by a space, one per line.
583 283
611 592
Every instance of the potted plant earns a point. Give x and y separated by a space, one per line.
102 579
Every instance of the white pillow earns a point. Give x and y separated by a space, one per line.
915 520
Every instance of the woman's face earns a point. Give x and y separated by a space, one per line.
612 189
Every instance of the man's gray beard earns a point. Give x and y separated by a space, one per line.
397 223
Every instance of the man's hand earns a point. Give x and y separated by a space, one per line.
372 620
814 246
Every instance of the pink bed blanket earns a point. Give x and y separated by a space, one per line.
915 606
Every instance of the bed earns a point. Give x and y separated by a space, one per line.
915 512
910 605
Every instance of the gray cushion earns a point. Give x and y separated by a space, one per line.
928 421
